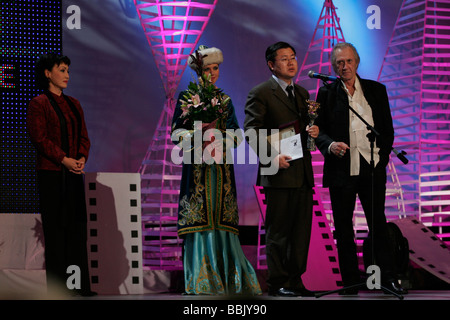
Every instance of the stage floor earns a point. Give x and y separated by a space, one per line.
363 295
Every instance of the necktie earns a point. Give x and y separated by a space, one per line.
290 90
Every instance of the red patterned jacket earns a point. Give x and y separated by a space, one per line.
44 129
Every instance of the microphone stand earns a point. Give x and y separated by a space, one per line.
371 136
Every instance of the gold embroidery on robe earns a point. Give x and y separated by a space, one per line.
212 204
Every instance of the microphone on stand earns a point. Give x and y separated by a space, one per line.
323 77
401 155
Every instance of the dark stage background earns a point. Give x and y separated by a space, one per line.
29 29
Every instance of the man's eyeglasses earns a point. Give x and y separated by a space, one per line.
287 60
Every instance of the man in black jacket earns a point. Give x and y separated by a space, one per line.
344 143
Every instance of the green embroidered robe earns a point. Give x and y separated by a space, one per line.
208 191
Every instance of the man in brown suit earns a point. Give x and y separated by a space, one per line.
289 194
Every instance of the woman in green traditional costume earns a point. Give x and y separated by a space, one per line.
214 263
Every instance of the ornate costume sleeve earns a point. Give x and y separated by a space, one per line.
232 123
178 130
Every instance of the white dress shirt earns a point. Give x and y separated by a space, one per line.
284 85
359 142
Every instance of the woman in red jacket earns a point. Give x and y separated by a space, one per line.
57 129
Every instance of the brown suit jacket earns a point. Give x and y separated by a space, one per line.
268 107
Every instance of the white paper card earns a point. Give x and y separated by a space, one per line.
292 146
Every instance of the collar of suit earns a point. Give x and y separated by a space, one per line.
279 90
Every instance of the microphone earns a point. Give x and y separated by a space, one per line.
323 77
401 155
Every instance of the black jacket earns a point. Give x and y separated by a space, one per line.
333 122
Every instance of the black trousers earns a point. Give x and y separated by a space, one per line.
288 232
64 222
343 201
